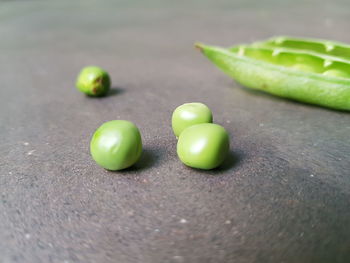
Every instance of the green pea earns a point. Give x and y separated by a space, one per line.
116 145
336 73
204 146
189 114
93 81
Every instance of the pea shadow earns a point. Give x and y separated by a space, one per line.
147 160
232 161
291 101
114 91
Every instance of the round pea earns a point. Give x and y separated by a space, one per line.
93 81
116 145
336 73
204 146
189 114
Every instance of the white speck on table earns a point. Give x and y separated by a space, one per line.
30 152
183 221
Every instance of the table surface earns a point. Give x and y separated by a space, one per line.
283 195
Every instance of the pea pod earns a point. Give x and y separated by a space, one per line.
301 74
327 47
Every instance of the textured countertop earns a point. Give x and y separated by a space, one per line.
283 195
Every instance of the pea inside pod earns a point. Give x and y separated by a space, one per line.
301 75
294 59
326 47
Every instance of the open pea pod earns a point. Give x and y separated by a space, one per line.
300 74
327 47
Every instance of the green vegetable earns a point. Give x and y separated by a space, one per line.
326 47
116 145
189 114
204 146
312 71
93 81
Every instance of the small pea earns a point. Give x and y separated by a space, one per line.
116 145
204 146
189 114
93 81
336 73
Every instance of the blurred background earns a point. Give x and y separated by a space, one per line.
282 197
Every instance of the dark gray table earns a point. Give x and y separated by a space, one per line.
283 195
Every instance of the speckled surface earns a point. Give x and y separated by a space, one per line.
283 195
